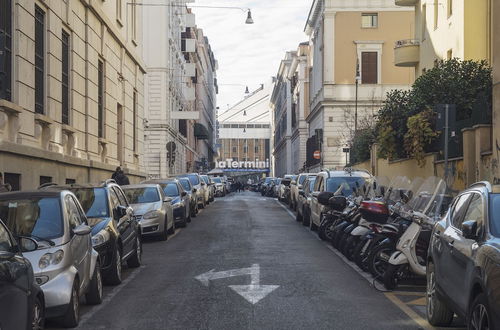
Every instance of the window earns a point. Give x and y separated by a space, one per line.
449 7
72 213
369 20
45 179
119 9
436 13
39 60
458 210
256 149
449 54
245 149
134 19
13 179
369 67
114 200
234 150
100 99
6 48
134 121
318 184
5 242
475 211
65 77
183 127
70 181
424 22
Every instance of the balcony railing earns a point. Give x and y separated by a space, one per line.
407 53
406 42
406 2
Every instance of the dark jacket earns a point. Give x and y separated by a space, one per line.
121 179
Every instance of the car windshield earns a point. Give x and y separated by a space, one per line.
142 195
348 183
268 180
185 184
94 201
205 179
217 180
193 179
311 183
37 217
302 178
170 190
495 214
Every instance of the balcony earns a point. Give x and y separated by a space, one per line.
406 2
407 53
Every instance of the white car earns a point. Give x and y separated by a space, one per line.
331 181
295 186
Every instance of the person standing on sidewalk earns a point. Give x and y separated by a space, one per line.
120 177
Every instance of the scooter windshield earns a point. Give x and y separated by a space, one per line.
377 187
430 197
398 184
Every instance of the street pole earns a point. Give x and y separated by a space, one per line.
446 135
356 109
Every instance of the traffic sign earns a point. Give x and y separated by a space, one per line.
317 154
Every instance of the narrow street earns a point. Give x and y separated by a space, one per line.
316 288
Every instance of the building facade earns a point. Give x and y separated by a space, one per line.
244 132
281 105
352 60
71 91
444 30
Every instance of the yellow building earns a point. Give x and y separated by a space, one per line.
443 30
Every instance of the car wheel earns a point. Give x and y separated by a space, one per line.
438 314
171 231
115 276
299 217
312 226
305 217
72 316
135 260
94 295
479 314
164 234
37 315
194 212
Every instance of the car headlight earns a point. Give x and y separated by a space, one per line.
100 238
51 258
151 215
177 205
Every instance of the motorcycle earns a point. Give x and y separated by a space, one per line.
425 208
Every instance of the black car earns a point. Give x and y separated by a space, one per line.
21 299
463 267
191 191
116 233
181 202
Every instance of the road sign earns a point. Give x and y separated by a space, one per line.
317 154
253 293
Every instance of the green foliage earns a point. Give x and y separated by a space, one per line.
360 151
406 115
420 134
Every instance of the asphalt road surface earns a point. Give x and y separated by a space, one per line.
244 263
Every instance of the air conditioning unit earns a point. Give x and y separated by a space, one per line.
188 45
189 93
190 69
190 21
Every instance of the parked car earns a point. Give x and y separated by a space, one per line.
346 181
193 199
64 263
152 209
116 233
304 200
295 186
463 266
210 188
284 190
200 188
277 187
181 200
22 303
220 188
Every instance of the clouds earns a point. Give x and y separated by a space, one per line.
250 54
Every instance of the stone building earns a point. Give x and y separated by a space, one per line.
352 59
71 92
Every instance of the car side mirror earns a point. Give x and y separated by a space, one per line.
300 186
203 183
82 230
167 199
183 194
469 229
120 211
28 244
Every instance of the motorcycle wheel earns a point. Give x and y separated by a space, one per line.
393 274
343 238
322 230
350 245
337 236
376 264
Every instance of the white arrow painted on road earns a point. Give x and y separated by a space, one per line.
253 293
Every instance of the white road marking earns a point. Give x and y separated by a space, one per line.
253 293
110 296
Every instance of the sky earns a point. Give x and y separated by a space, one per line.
249 55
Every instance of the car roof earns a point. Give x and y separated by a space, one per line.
347 174
141 185
29 194
166 180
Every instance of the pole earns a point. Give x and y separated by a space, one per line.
356 109
446 135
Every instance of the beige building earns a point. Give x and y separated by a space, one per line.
71 93
444 30
347 37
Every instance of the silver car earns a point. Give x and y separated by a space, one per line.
64 263
200 186
152 208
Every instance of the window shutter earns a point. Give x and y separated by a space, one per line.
369 69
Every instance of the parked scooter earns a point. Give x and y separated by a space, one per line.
426 207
